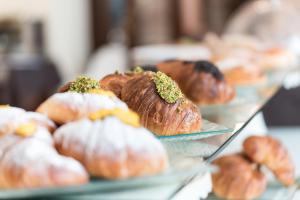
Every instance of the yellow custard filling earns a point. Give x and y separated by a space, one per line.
4 106
102 92
127 116
26 129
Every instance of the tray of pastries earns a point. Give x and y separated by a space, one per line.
98 135
136 128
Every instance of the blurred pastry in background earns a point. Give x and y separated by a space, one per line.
239 175
201 81
249 49
112 144
270 152
276 57
238 178
82 97
27 162
238 71
158 100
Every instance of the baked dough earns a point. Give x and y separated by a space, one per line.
110 149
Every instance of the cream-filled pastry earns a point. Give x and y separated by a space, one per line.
30 163
111 144
78 101
12 117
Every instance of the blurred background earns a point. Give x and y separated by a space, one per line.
44 43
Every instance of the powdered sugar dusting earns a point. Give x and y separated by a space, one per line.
12 117
87 102
31 150
40 119
110 137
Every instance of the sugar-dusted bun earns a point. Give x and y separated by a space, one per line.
111 149
12 117
70 106
201 81
41 120
30 163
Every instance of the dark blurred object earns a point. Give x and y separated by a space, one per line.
284 108
218 12
9 35
31 76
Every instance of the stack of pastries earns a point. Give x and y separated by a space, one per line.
28 158
244 59
240 175
79 132
96 127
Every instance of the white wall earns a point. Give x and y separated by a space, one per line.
67 29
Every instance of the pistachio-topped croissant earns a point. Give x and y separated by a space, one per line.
157 99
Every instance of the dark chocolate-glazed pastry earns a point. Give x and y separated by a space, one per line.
157 99
200 81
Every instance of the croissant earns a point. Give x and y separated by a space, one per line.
30 163
12 117
77 100
270 152
200 81
237 178
115 147
158 101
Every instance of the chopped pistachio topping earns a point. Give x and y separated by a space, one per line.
84 84
137 70
167 88
127 116
26 129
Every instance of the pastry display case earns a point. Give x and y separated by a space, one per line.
161 125
190 155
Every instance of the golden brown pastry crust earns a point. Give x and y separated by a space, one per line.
139 93
115 82
244 76
59 112
137 153
270 152
199 86
237 178
20 170
104 166
70 106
